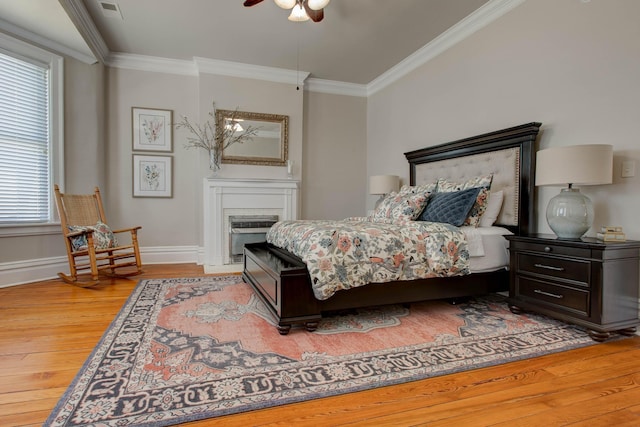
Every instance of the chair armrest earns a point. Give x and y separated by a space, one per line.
78 233
124 230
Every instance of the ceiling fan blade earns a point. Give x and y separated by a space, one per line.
315 15
249 3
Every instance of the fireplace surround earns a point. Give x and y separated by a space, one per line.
226 197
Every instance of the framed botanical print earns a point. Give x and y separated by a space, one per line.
152 176
152 129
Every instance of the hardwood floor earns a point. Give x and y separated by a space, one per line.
49 328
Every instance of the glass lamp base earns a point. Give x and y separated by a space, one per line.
570 214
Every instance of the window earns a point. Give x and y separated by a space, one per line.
30 133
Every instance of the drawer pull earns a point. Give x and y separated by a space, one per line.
549 294
549 267
548 249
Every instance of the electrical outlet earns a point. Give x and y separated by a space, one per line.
628 168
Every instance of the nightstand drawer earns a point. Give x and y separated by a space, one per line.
548 293
575 270
552 249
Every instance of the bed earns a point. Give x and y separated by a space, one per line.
282 280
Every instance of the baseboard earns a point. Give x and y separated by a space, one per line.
169 254
33 270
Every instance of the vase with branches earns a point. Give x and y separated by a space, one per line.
214 139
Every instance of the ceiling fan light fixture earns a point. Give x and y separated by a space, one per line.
298 14
317 4
286 4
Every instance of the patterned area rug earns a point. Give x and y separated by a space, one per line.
196 348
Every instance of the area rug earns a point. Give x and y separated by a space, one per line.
194 348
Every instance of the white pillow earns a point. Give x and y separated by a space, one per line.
494 206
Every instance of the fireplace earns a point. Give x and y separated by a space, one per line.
225 199
245 229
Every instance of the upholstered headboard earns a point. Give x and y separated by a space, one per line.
508 154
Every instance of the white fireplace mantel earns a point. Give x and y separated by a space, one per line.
255 196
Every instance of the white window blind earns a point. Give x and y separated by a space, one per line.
24 141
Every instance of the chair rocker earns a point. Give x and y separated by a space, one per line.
91 246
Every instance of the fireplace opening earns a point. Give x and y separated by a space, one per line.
245 229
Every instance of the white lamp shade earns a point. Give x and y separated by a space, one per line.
298 14
576 164
317 4
383 184
286 4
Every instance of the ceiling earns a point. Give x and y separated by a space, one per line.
43 22
357 41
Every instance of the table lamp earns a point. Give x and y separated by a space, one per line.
570 213
383 184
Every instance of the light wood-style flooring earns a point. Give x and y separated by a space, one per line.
47 330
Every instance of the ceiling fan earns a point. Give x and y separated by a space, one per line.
301 10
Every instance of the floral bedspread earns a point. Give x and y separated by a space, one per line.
356 251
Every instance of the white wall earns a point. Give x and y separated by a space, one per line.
571 65
177 221
83 153
98 152
334 179
165 221
85 131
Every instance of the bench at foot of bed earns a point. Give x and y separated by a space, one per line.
281 280
283 284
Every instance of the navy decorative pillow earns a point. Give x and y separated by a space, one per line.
451 208
476 212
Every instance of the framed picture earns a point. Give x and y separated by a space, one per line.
152 176
152 129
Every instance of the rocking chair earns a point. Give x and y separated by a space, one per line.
91 245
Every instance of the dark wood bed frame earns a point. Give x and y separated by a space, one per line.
282 281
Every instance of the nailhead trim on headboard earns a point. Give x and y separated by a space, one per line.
509 154
503 164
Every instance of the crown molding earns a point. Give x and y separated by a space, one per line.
152 64
256 72
336 87
201 65
77 12
27 36
486 14
483 16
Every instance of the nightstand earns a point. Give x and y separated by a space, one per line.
586 282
